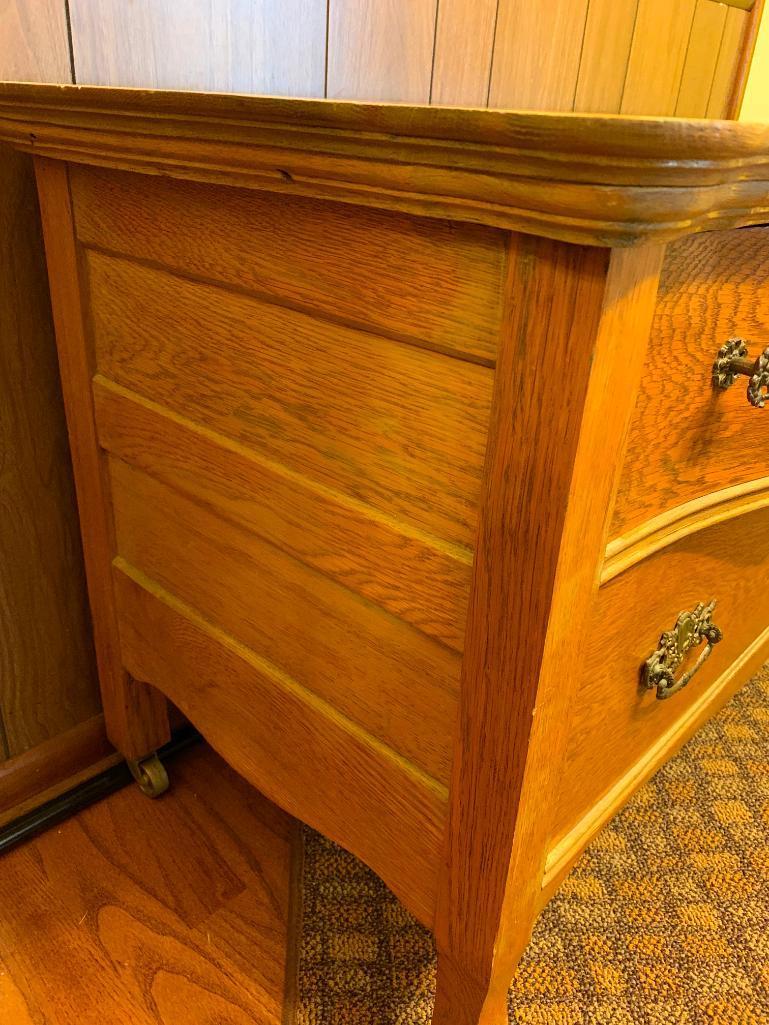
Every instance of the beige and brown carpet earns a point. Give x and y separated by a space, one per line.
664 921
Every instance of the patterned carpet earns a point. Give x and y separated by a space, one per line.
664 921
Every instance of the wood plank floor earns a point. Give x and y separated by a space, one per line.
173 911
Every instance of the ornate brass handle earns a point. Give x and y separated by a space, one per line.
733 359
691 629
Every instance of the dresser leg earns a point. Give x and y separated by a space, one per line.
136 719
461 999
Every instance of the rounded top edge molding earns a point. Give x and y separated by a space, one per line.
607 180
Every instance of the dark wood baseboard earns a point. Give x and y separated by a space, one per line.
56 779
53 767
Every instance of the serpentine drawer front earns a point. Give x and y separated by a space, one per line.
401 466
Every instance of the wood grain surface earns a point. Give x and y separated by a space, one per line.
605 53
701 58
51 762
294 617
135 715
34 45
689 439
141 913
543 525
652 84
419 581
225 45
381 50
582 179
47 670
722 563
464 43
351 788
393 427
537 52
432 283
730 55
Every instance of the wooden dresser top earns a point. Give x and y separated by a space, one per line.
595 179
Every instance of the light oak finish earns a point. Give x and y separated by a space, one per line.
135 715
34 44
374 557
606 46
464 43
726 75
100 925
689 439
297 618
226 45
421 583
354 789
380 50
298 391
702 56
424 282
537 54
550 55
661 27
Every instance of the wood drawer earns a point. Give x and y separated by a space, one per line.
617 725
688 440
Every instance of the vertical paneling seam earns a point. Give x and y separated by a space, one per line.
581 54
435 48
325 59
686 57
629 53
70 43
717 64
5 749
493 51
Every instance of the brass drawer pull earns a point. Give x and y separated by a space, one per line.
732 360
691 629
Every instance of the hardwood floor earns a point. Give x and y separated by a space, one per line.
173 911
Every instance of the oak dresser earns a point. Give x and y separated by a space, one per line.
420 460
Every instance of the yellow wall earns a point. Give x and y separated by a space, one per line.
755 106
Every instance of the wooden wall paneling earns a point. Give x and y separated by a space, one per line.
33 41
254 46
537 54
605 54
657 56
381 50
701 59
464 42
47 675
728 63
747 56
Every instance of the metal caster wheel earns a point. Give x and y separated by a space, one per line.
150 775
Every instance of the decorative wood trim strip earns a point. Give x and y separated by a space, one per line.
746 57
568 849
396 812
629 549
744 5
581 178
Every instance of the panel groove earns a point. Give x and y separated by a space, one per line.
429 589
281 677
282 302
